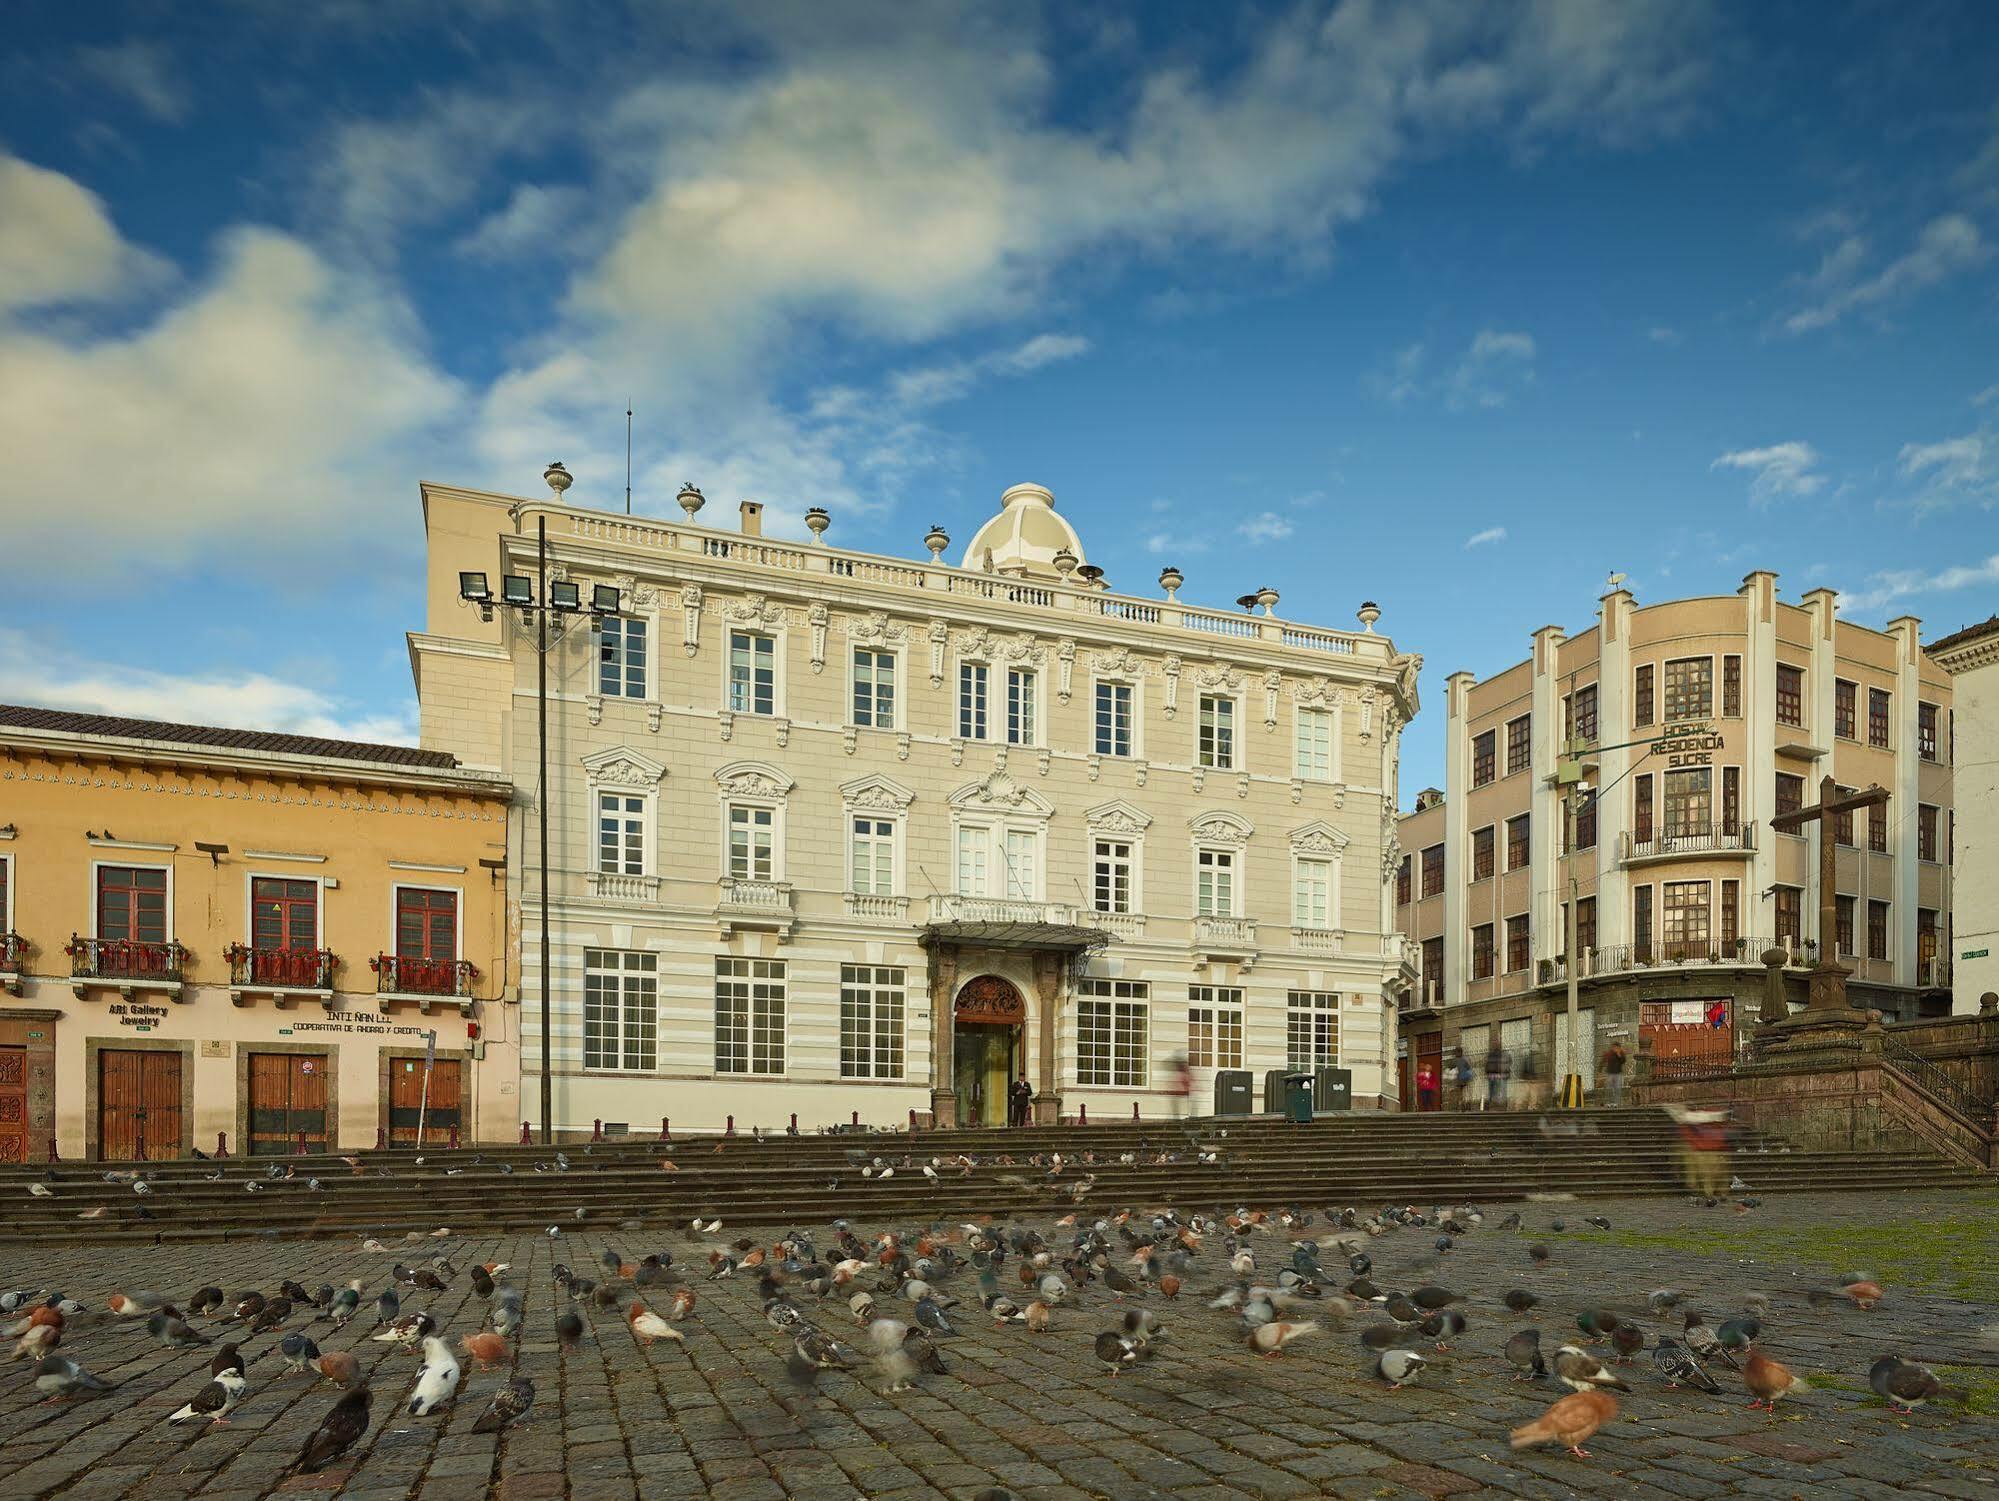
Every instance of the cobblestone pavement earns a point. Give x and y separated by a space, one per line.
1035 1413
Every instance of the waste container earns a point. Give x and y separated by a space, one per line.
1332 1089
1298 1098
1232 1091
1273 1090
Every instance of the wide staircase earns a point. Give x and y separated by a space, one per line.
1361 1160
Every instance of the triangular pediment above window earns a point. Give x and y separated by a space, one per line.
620 766
1319 838
1118 817
876 793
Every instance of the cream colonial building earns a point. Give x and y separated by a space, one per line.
1971 657
852 836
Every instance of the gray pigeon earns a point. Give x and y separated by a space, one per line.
1399 1367
59 1377
1677 1364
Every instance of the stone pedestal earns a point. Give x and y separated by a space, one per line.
1048 1110
943 1109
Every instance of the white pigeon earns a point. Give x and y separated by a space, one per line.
39 1190
439 1381
216 1400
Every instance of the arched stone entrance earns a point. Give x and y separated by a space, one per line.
988 1016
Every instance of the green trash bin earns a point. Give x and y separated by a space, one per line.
1298 1098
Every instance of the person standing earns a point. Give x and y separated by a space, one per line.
1020 1100
1426 1085
1495 1077
1461 1077
1614 1059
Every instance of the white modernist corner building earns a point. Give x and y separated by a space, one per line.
845 836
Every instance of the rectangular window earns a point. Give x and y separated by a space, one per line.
621 834
1877 828
871 860
1641 696
1927 824
1585 925
1845 710
426 924
1113 719
972 700
1519 944
1481 853
1730 918
1312 894
620 1010
1584 724
1313 761
1403 873
1214 883
1519 743
1020 689
1111 876
1586 824
1926 939
750 831
1689 689
1433 971
1788 906
1877 930
1214 1026
749 1016
1216 748
132 903
621 657
1641 806
1484 758
1687 917
1433 871
1689 801
1111 1032
1482 955
1842 824
1023 864
871 1021
1731 687
1842 917
974 846
1731 799
874 689
752 673
1311 1030
1641 924
1926 731
283 914
1517 841
1790 792
1790 695
1877 717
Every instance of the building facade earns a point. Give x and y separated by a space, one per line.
1738 707
1971 657
845 836
232 940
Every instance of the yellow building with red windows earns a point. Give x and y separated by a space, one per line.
230 939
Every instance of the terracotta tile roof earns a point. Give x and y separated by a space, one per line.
1969 634
66 722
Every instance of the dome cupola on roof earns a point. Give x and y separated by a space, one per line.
1024 538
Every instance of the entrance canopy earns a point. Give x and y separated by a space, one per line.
1068 938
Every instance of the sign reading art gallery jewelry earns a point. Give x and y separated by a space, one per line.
138 1014
1688 744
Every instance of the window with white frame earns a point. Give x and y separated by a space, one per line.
620 1009
621 657
999 860
1111 1021
1023 864
749 1016
871 1021
1214 1026
974 860
1215 748
1214 882
972 683
751 842
1312 893
1110 889
1021 686
621 834
872 856
1113 719
874 689
1311 1029
752 673
1314 759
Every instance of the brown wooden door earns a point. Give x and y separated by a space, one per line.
406 1101
287 1100
13 1103
138 1104
1430 1050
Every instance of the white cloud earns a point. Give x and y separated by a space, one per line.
1986 397
1495 366
142 71
1781 471
1486 538
1896 585
1660 333
534 221
1402 382
935 384
1947 245
1953 471
1267 526
57 244
34 673
1173 543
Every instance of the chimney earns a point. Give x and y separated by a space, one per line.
753 518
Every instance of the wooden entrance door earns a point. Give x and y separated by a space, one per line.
138 1105
13 1103
1430 1050
406 1101
287 1100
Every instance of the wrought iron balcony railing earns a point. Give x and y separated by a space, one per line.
398 974
126 960
281 969
1684 840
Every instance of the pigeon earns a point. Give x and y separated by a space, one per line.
1399 1367
1568 1421
299 1352
337 1431
1114 1351
206 1301
1903 1383
1704 1342
1677 1364
340 1367
1268 1339
407 1330
1597 1220
173 1332
58 1378
1523 1350
344 1304
387 1306
1576 1367
1520 1300
214 1401
438 1382
568 1328
649 1326
1863 1295
1627 1340
1596 1322
1767 1380
486 1348
510 1403
140 1305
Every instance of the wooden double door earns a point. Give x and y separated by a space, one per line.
139 1114
442 1115
287 1102
13 1104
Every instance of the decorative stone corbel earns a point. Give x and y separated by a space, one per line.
1095 765
1297 790
957 751
783 728
1366 712
1339 794
902 745
593 705
1041 759
690 609
1272 682
1171 668
851 738
653 710
1140 768
1065 667
1242 784
1200 778
726 722
940 633
816 617
999 759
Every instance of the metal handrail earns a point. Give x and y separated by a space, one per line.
1938 1080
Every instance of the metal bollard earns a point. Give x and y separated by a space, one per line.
381 1139
912 1119
792 1130
221 1143
730 1128
454 1138
299 1150
52 1150
1134 1110
1082 1115
527 1136
597 1129
857 1118
665 1129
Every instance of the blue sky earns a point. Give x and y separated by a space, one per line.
1454 307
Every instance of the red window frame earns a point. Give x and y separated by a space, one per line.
284 913
424 915
125 893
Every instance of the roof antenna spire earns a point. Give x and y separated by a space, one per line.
628 456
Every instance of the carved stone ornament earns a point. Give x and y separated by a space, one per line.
1319 838
998 790
754 779
632 594
1119 663
977 646
1171 670
1216 827
619 767
1273 682
940 636
1318 693
1118 818
1219 675
1023 649
754 609
876 629
876 794
690 608
1366 712
817 618
990 999
1065 666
